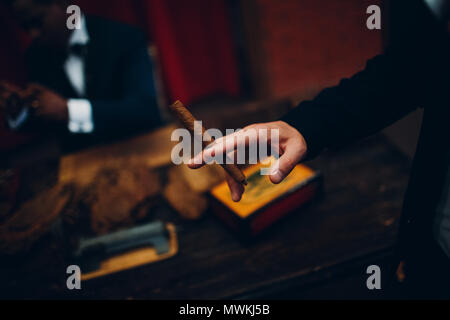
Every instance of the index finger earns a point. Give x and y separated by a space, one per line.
225 145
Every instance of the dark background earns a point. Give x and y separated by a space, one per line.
234 60
252 50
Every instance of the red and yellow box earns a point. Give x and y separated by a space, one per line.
263 202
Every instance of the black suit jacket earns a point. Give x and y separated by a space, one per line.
414 72
118 75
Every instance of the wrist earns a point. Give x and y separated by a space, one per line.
306 119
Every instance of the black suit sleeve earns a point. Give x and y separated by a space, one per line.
391 85
369 101
137 105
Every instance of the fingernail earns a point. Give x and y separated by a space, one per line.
277 176
234 196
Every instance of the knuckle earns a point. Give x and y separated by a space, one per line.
288 164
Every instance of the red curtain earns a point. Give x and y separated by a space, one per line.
14 43
193 38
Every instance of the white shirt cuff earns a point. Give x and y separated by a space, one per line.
80 116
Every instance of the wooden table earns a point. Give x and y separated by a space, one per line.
353 225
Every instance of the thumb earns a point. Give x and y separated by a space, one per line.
285 164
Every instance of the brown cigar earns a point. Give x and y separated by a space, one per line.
187 119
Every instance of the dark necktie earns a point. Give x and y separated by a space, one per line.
78 50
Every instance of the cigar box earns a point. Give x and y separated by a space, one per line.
264 203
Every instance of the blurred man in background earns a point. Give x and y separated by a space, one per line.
413 72
93 80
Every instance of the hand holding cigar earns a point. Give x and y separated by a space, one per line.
187 119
